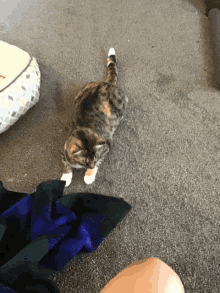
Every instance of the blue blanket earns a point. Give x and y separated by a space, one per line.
41 232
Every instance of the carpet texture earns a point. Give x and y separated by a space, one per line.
165 159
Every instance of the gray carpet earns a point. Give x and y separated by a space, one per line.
165 160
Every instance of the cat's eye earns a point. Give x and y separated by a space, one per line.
77 153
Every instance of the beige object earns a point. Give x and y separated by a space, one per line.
19 84
148 275
12 61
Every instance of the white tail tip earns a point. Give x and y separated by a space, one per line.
111 52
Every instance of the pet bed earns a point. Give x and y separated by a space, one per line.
19 84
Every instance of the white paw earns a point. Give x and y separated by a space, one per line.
90 179
111 52
67 177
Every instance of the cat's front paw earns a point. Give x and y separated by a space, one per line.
90 175
67 177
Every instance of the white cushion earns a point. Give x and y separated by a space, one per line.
19 84
12 61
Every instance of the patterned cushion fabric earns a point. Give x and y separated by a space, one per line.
19 85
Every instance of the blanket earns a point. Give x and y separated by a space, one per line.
41 232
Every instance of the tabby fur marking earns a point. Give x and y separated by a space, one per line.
99 107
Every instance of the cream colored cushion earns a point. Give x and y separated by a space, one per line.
19 84
12 61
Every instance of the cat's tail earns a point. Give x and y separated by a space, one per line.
112 69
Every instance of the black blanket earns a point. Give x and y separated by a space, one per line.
41 232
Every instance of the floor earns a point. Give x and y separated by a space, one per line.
165 160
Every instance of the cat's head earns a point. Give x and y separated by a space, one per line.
84 148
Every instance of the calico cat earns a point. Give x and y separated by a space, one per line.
99 107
